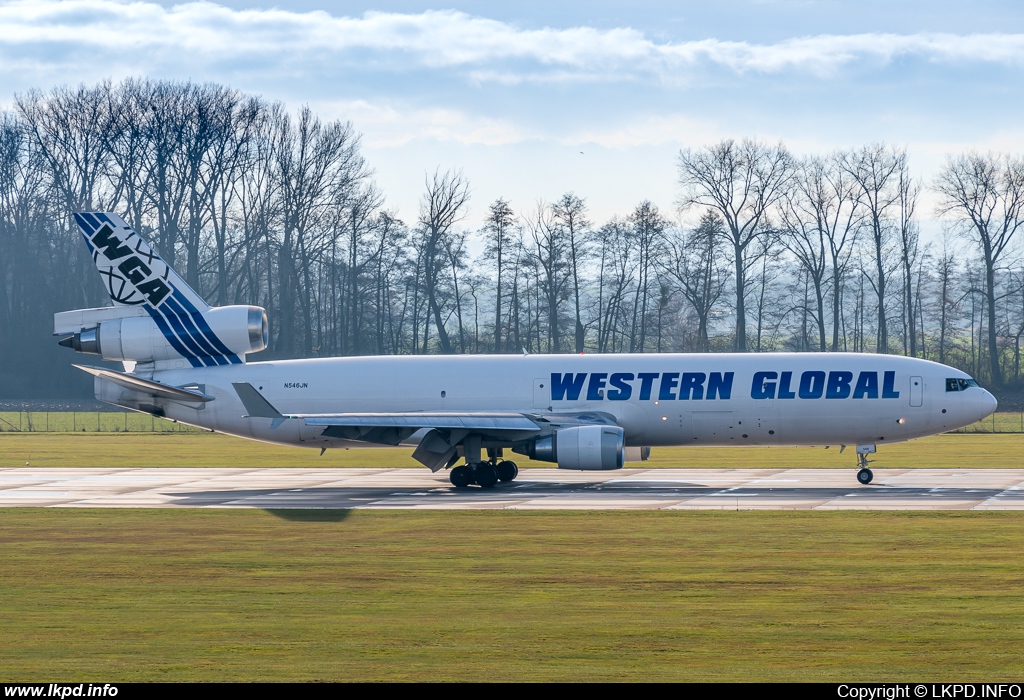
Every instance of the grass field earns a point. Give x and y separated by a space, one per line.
197 449
108 595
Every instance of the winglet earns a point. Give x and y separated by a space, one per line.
256 405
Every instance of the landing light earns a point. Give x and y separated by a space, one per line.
901 421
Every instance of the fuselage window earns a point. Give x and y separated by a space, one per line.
953 384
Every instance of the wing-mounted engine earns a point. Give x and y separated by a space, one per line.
216 336
586 447
156 317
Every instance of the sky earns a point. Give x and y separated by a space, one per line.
534 99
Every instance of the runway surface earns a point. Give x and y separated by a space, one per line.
535 489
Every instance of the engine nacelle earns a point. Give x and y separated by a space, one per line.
587 447
239 330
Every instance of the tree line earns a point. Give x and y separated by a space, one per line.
762 251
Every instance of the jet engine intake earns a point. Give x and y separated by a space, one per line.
588 447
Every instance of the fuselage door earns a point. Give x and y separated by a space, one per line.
541 394
916 391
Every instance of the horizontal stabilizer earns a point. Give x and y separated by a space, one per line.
66 322
145 386
255 405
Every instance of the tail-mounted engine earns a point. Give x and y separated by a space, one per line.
215 336
588 447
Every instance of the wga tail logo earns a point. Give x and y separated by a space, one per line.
132 277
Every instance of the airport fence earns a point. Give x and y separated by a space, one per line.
131 422
88 422
1000 422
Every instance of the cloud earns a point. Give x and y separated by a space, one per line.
394 124
145 34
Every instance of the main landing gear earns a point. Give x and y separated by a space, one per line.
486 474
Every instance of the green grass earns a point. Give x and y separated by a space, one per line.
119 595
197 449
87 422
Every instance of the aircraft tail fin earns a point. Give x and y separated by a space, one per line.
180 326
132 272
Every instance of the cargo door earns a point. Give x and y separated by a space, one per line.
542 394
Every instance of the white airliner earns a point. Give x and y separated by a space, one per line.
586 412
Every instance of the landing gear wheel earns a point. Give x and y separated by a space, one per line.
461 477
486 475
865 476
507 471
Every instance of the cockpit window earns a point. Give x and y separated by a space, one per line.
957 384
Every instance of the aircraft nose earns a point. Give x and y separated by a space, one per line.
987 404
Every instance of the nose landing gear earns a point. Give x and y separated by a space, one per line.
864 475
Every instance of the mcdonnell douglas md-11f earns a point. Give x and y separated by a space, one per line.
587 412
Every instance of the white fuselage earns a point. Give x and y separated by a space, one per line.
663 399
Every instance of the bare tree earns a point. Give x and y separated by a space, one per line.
570 212
648 228
694 262
442 207
359 218
909 236
316 165
551 256
236 122
741 181
498 239
617 271
984 197
127 142
826 204
804 211
69 127
876 171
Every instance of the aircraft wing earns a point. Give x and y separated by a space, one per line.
444 429
257 406
417 420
